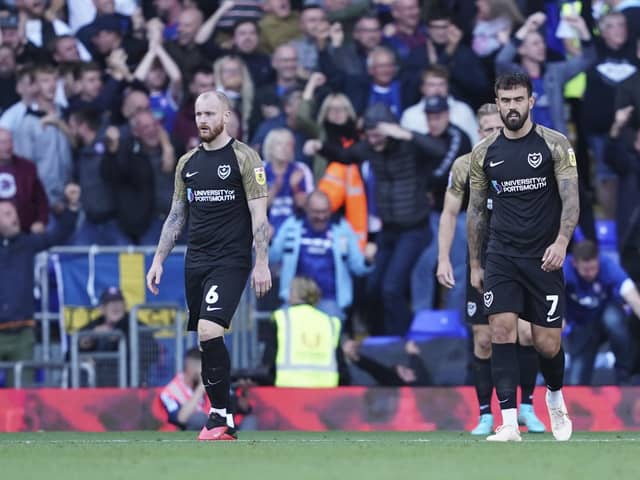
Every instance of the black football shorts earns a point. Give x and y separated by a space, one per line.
519 285
213 293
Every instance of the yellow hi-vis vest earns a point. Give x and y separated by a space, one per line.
307 341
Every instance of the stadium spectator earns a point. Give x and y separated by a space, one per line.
631 11
289 120
114 317
64 49
169 12
184 397
597 288
323 250
314 29
435 82
245 45
17 252
162 77
26 89
351 57
295 361
40 31
400 162
185 132
408 30
87 13
622 153
616 61
269 97
40 137
19 184
493 25
381 85
279 25
423 280
92 92
289 182
233 79
205 34
13 36
8 95
108 36
415 374
468 81
184 50
548 77
97 225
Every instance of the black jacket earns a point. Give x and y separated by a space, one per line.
401 172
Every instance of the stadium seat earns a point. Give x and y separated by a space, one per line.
428 324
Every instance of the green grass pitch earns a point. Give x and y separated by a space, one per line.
326 455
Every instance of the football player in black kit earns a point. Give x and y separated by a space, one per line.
531 171
455 200
222 186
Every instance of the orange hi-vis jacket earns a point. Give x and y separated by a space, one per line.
344 186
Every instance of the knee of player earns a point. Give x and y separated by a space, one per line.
208 329
482 344
548 345
503 334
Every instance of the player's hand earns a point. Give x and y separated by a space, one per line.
261 279
553 257
477 278
153 278
444 273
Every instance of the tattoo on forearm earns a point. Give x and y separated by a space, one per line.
261 241
172 228
568 189
476 223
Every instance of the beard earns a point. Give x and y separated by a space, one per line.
514 120
208 134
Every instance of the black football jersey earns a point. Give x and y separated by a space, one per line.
521 178
217 185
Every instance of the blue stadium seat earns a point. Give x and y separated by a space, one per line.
605 232
429 324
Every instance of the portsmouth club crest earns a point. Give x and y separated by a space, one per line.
224 171
471 308
534 159
488 298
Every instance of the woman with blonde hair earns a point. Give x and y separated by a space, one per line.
232 78
336 124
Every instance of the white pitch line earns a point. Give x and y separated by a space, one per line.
310 441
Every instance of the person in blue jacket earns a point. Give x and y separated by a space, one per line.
326 251
597 289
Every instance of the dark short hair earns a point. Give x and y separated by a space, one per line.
84 67
585 250
439 14
90 117
47 68
25 70
512 80
244 22
192 354
201 68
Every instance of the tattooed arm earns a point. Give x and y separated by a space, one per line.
477 214
261 276
477 220
567 179
171 229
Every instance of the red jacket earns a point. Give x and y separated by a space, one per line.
20 184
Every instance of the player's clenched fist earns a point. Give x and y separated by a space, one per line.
477 278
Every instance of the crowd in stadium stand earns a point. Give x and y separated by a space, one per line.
358 109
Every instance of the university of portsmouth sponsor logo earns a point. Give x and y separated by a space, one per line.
519 185
488 298
190 196
224 171
496 186
218 195
471 308
534 159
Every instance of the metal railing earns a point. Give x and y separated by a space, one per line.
19 367
77 357
243 337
